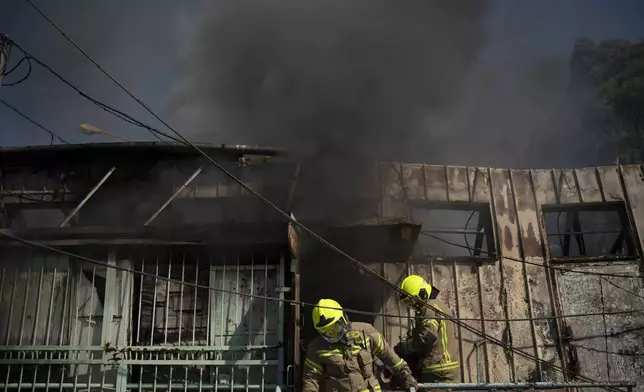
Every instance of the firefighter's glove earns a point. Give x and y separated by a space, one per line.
401 348
408 380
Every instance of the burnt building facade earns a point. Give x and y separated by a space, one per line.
141 266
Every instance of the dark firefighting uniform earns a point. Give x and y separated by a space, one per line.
431 348
347 366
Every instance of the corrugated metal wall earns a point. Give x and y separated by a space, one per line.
609 346
60 316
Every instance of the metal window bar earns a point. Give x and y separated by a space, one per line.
61 349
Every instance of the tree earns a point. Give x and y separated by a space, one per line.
610 77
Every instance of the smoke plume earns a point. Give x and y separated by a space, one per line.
340 78
340 82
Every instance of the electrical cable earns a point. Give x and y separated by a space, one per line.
142 273
87 56
622 354
428 234
306 229
21 114
287 301
115 112
311 232
622 288
6 73
467 223
3 60
24 77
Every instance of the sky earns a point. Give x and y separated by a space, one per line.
147 46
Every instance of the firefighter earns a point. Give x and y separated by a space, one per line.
431 348
341 358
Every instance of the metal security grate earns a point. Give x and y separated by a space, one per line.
79 326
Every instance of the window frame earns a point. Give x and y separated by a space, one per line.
627 231
486 221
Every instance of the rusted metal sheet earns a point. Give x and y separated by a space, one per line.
436 182
512 277
633 176
588 184
392 180
392 192
506 217
397 326
544 187
546 301
566 186
479 185
414 180
472 352
458 187
526 213
534 276
610 183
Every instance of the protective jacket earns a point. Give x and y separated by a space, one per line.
431 347
348 365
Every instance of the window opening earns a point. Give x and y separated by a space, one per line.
455 229
588 230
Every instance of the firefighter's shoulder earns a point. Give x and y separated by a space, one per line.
365 328
315 344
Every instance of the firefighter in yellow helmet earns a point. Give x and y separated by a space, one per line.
341 358
431 348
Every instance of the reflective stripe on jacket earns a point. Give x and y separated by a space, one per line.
433 342
347 366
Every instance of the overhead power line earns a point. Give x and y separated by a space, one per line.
108 108
302 303
25 77
105 264
552 267
292 302
318 238
87 56
34 122
591 273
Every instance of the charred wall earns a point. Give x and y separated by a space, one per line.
503 269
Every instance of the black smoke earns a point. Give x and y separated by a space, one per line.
341 82
333 77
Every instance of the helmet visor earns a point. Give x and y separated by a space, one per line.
406 298
334 332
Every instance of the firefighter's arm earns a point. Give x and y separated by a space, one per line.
312 375
382 350
423 337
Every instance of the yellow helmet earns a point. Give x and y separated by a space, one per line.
415 288
330 320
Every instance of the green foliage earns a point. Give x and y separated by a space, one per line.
613 71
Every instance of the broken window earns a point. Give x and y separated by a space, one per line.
454 229
588 230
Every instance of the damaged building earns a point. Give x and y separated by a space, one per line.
141 266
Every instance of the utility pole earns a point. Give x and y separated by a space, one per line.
4 55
